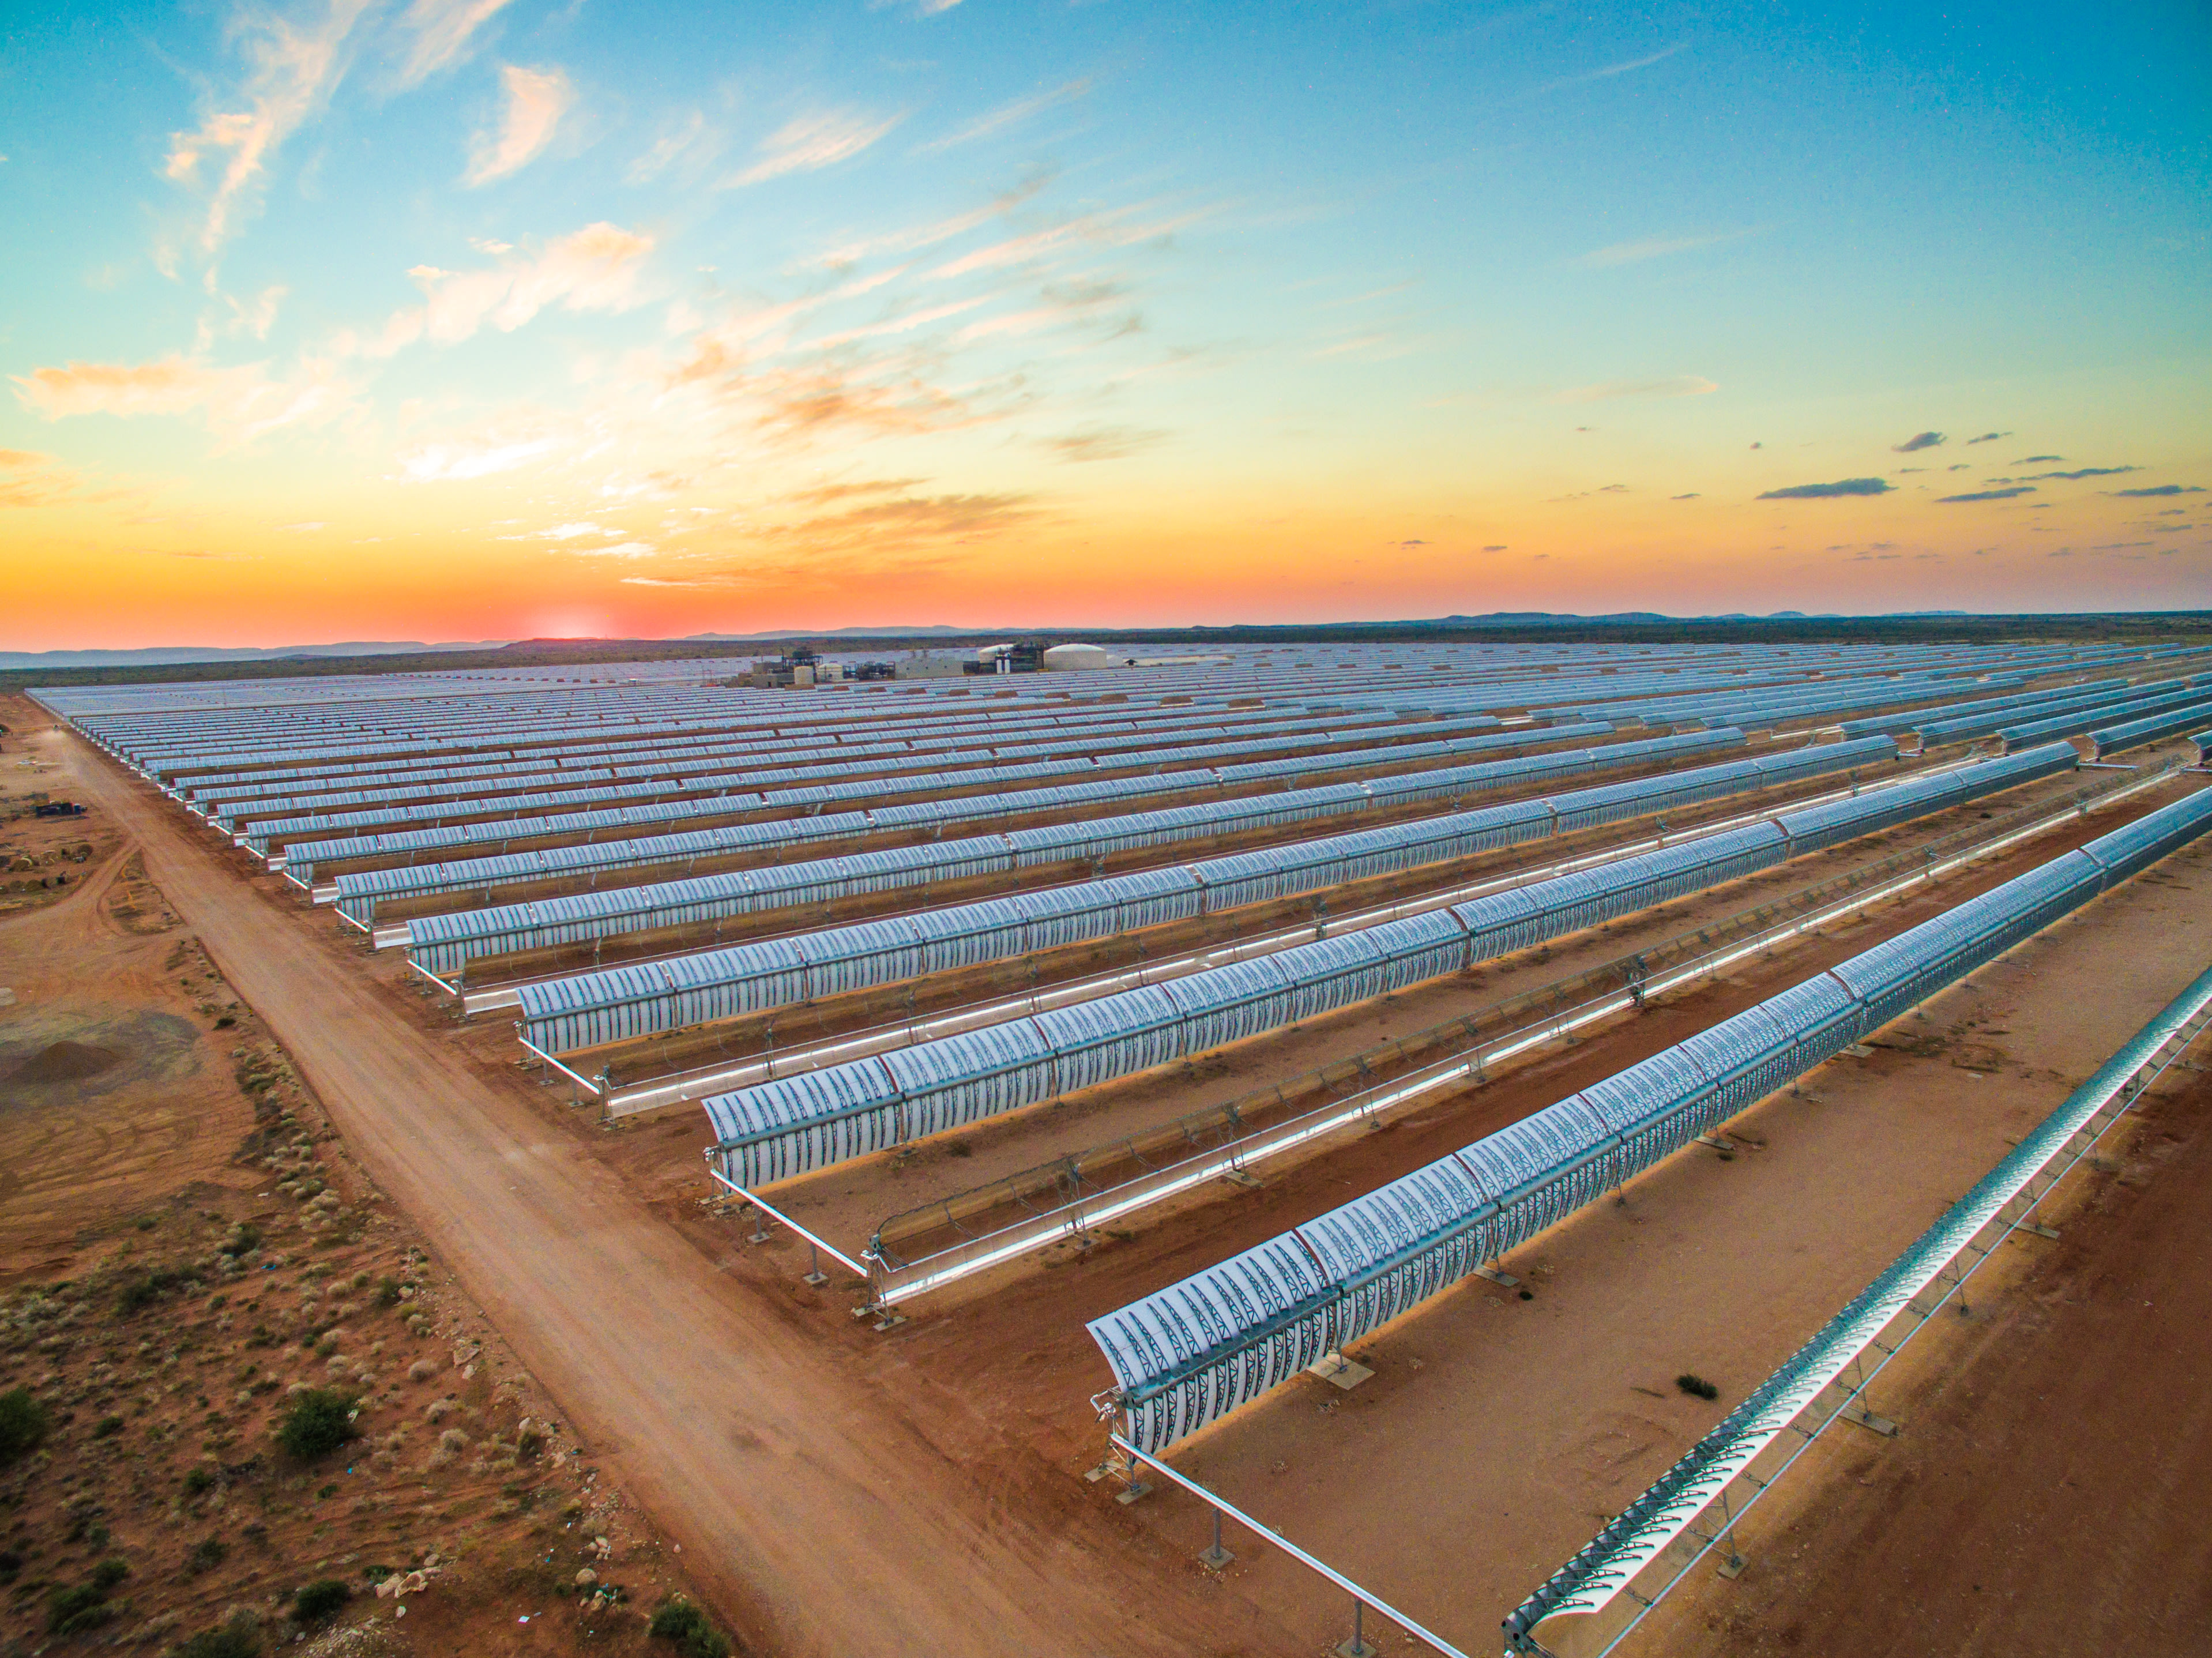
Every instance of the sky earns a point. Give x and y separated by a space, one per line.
458 319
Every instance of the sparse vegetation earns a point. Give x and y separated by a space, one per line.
24 1423
319 1599
82 1606
320 1420
694 1634
1696 1386
207 1554
239 1638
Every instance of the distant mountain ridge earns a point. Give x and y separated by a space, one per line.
167 655
157 655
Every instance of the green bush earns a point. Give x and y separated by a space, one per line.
72 1612
108 1427
85 1605
245 1236
319 1421
149 1287
318 1600
24 1423
1696 1386
207 1554
694 1633
387 1293
236 1639
198 1479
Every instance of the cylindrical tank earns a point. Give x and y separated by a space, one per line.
1061 659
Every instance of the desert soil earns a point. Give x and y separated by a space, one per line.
2042 1497
185 1243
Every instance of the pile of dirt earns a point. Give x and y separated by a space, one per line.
64 1062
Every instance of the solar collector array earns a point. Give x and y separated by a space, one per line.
608 1005
765 1135
446 942
359 894
1191 1353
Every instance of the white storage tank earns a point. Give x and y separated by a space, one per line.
1063 658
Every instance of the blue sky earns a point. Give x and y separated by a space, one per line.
1135 313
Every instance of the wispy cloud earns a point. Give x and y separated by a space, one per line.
444 31
564 533
476 458
1822 491
2089 472
1092 229
239 403
807 143
1989 494
1654 248
690 141
1611 70
1103 443
1005 116
535 100
628 550
1674 385
594 269
1988 437
2159 489
28 479
291 70
1916 442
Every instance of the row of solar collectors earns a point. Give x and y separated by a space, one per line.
647 743
1034 735
621 1004
523 733
1458 659
2118 739
812 787
1812 699
1899 688
1191 1353
445 943
900 809
1988 722
547 805
752 768
613 710
430 716
338 690
2191 705
357 895
1812 705
508 710
1918 719
777 1130
506 717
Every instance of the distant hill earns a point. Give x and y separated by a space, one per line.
162 655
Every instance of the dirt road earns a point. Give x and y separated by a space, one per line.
825 1519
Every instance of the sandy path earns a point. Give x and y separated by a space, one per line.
831 1525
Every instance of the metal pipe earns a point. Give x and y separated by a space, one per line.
1268 1532
834 1253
